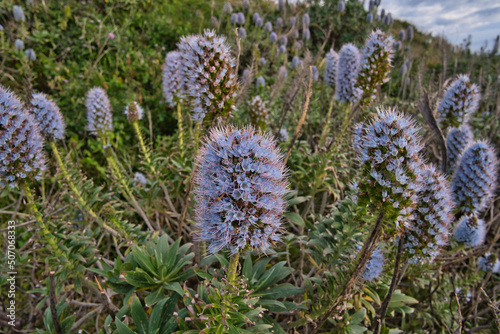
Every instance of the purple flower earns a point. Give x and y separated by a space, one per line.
140 180
283 40
347 74
390 160
489 262
279 23
172 80
375 66
242 33
268 27
18 45
241 19
460 101
240 184
369 17
47 116
18 13
471 231
306 21
260 82
21 144
456 142
30 54
331 61
210 76
432 217
99 117
341 6
306 34
295 61
282 73
273 38
375 266
292 22
474 182
409 33
111 35
259 116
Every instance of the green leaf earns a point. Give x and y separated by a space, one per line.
140 318
280 291
122 328
357 317
140 279
143 260
155 296
297 200
355 329
174 287
295 218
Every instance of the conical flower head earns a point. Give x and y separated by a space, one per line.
390 162
375 64
295 61
429 231
306 21
456 142
331 63
134 112
489 262
48 117
260 82
173 83
460 101
240 188
471 231
21 144
99 117
210 74
259 116
375 266
474 181
347 74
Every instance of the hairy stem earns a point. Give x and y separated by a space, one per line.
327 123
144 150
232 271
363 258
395 280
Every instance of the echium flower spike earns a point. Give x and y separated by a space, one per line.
172 80
134 112
471 231
375 266
48 117
489 262
18 13
456 142
99 117
210 74
460 101
259 116
375 66
474 181
331 62
21 144
429 231
390 162
347 74
240 186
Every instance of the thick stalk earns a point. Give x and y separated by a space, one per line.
395 280
39 219
232 271
83 205
144 150
363 258
181 131
327 123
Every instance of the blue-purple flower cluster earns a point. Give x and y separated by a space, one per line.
240 188
489 262
456 142
347 74
432 217
209 74
172 79
21 144
470 230
99 117
259 116
460 101
474 181
331 62
375 66
391 162
375 266
48 117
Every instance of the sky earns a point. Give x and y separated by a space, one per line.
456 19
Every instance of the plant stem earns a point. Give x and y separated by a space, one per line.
39 219
144 150
363 258
395 279
232 271
327 123
181 131
115 170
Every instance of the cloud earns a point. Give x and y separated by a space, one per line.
456 19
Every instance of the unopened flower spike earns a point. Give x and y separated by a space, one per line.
99 117
331 62
347 74
456 142
172 80
134 112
